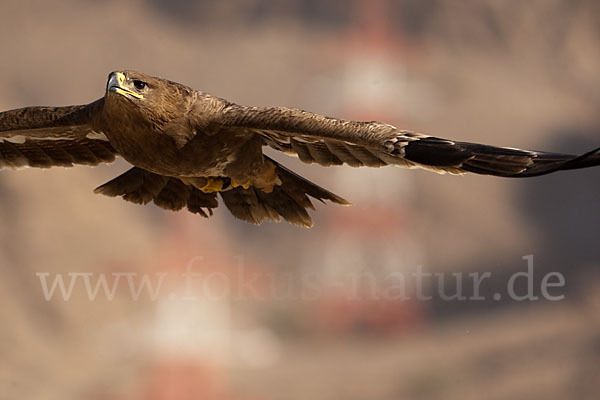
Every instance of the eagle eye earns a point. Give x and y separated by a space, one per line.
139 85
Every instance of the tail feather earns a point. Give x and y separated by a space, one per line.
174 195
289 201
141 187
244 204
136 185
295 185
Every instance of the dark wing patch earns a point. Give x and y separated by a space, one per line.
44 137
491 160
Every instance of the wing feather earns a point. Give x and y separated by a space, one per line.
44 137
318 139
328 141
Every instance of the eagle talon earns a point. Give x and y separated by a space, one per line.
243 185
212 185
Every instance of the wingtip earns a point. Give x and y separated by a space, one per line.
101 190
338 200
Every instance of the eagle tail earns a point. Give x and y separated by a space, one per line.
289 201
459 157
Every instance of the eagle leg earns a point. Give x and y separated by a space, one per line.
208 184
236 184
213 185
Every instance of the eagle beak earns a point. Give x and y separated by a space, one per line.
116 83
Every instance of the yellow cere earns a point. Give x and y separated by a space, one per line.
123 90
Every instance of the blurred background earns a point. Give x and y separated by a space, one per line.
281 312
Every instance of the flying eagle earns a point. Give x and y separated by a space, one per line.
187 147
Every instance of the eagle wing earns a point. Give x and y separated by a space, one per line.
44 137
328 141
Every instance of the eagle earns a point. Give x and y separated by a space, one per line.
188 148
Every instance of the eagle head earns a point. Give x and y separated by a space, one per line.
148 104
131 88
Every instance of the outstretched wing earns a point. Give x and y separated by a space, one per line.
328 141
52 136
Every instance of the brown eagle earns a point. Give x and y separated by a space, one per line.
187 147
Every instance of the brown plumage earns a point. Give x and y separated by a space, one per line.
187 147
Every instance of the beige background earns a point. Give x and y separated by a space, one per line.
518 74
